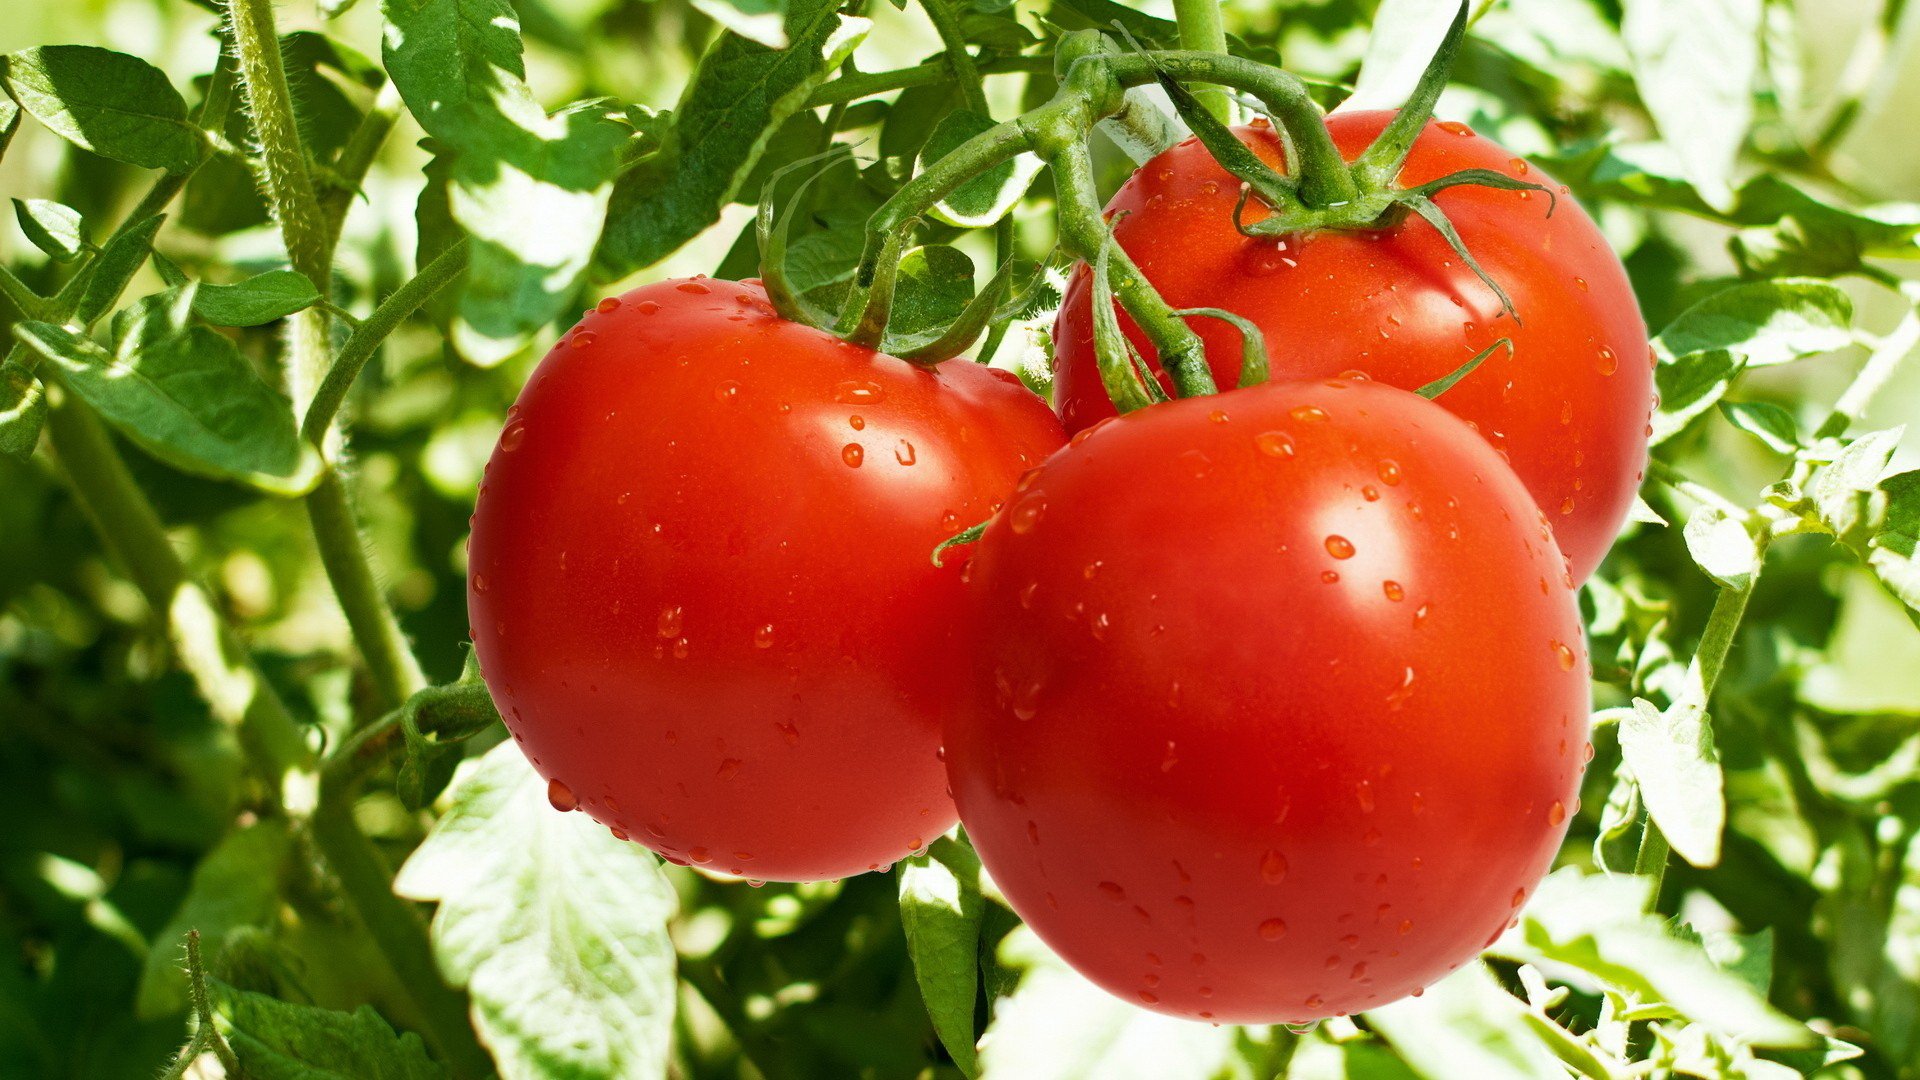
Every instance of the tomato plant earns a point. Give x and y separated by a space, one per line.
699 578
1237 738
1567 403
282 278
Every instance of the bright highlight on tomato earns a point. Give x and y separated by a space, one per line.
1568 406
1279 701
700 587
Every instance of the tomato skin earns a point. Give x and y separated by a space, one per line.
1569 406
1273 717
700 583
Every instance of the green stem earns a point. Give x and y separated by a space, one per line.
868 84
289 188
1882 363
390 662
208 650
372 331
1202 31
31 304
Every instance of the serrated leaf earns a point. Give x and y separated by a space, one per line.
557 930
762 21
988 197
23 410
1596 924
109 272
1894 551
52 227
236 885
1466 1028
1695 63
113 104
1765 421
184 394
275 1040
1722 546
1846 491
940 908
256 301
530 188
1673 760
1058 1026
1689 386
1765 322
739 94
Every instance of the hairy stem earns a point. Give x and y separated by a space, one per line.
390 661
867 84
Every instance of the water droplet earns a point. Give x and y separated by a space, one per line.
1113 890
729 768
1218 416
1149 996
561 797
583 338
763 637
1556 813
857 423
608 305
1273 929
1274 444
1580 283
1309 414
1519 897
1329 577
680 649
1363 794
1026 595
512 437
1196 463
1393 590
1026 514
1401 693
1099 625
1026 701
859 392
617 834
693 287
479 583
1339 547
1273 867
646 307
853 455
1518 165
903 452
1564 654
726 391
1608 362
1454 127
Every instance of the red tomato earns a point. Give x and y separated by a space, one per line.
1279 701
1568 406
700 580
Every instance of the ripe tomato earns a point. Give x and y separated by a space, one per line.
1568 406
1279 701
700 582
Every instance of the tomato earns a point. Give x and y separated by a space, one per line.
1568 406
700 583
1279 701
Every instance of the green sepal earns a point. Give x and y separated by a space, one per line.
1253 342
1445 382
960 539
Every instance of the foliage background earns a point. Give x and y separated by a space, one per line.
133 815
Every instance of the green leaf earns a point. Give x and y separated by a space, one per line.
184 394
1894 551
52 227
1466 1028
740 93
556 929
1846 491
932 290
940 908
1674 761
23 409
256 301
1723 547
110 103
1404 36
1765 421
236 885
1695 63
1766 323
530 188
274 1040
9 123
988 197
109 272
1058 1026
1597 924
1689 386
762 21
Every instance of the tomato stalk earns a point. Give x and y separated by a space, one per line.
1202 31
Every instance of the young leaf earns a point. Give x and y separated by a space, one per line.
1765 421
52 227
275 1040
256 301
1894 551
988 197
530 188
1058 1026
556 929
9 122
1766 322
1674 761
1695 63
184 394
1689 386
23 409
1845 491
1723 547
236 885
738 95
110 103
933 287
762 21
109 272
940 909
1466 1026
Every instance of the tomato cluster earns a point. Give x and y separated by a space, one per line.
1260 706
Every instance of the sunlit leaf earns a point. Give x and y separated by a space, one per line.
113 104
